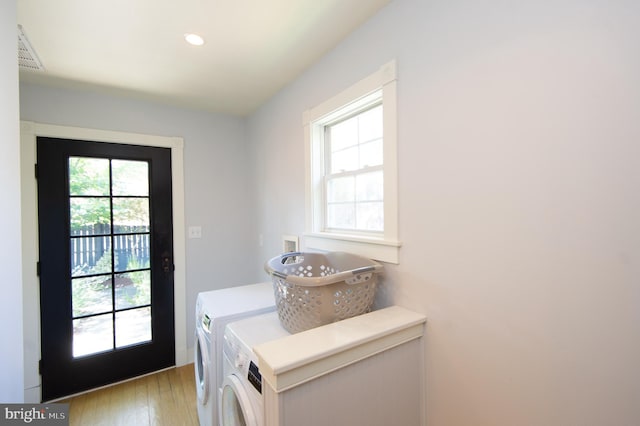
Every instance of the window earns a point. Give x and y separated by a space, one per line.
352 170
353 180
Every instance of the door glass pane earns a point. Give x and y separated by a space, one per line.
88 176
90 216
109 217
132 252
133 326
130 177
91 295
133 289
130 215
92 334
90 255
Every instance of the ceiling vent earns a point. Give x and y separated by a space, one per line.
27 58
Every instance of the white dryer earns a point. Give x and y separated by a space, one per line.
214 310
241 401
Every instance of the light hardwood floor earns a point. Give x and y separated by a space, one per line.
164 398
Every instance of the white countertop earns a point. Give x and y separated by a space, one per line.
298 358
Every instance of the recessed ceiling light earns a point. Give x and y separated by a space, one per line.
194 39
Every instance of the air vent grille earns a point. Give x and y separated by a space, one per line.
27 58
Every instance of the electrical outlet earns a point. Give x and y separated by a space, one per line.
289 243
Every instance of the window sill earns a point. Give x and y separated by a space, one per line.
372 248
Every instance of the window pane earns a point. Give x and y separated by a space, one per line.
90 255
89 216
133 289
133 327
344 134
341 216
132 252
130 215
130 177
371 153
369 186
357 142
88 176
370 124
341 189
93 334
370 216
344 160
91 295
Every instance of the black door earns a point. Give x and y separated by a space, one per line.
106 263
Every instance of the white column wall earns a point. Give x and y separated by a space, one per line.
11 355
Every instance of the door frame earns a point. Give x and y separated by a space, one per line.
29 131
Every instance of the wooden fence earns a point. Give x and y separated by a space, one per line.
90 244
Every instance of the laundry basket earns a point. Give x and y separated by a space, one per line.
313 289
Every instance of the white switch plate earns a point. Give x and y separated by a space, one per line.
195 232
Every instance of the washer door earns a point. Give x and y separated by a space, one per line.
235 406
202 364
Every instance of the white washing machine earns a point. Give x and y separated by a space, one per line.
241 401
214 310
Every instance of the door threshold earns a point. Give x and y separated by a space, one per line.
109 385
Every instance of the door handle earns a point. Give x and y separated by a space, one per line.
167 266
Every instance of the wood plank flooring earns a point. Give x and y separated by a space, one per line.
164 398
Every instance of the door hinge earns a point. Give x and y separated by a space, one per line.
36 170
38 268
40 367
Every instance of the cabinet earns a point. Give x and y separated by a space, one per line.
366 370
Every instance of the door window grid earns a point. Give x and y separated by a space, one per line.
110 268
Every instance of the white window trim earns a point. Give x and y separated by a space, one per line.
383 248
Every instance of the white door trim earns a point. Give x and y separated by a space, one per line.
29 131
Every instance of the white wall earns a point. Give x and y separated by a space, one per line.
215 166
519 199
11 360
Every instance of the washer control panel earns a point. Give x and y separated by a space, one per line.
254 376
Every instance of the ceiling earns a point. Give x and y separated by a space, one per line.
136 48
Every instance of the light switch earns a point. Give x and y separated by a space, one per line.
195 232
